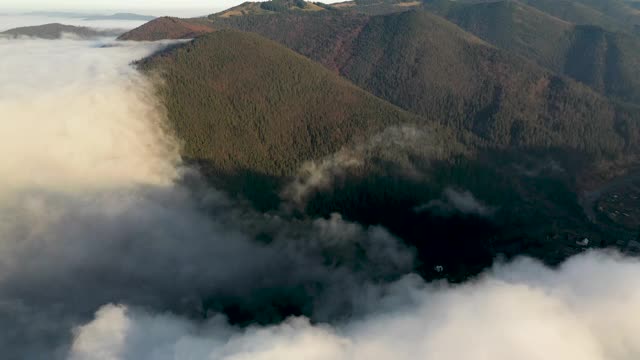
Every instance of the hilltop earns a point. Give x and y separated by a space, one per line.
249 13
168 28
269 7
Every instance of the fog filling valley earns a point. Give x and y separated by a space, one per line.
112 248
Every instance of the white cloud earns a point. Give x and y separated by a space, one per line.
587 310
74 114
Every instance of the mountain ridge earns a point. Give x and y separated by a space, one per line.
168 28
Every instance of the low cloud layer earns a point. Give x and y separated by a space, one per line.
67 118
96 207
111 249
587 310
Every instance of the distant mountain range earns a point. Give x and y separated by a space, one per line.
117 16
56 31
378 109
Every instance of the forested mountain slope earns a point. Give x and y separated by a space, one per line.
606 61
432 68
248 107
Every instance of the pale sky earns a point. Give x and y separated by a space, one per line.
152 7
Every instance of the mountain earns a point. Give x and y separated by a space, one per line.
490 155
429 66
432 68
56 31
252 111
168 28
606 61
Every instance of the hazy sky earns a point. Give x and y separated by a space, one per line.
146 6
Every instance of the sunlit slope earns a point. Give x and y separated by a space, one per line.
431 67
243 103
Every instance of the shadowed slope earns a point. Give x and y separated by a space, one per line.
605 61
608 62
612 15
512 26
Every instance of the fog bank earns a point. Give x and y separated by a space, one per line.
585 310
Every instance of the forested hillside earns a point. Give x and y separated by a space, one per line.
248 108
271 126
606 61
432 68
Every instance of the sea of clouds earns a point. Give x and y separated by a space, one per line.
111 248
